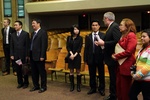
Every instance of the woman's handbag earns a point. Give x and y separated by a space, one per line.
67 58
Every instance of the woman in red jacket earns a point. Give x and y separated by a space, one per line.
125 57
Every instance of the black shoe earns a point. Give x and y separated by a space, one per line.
110 98
42 90
25 86
92 91
102 92
19 86
34 89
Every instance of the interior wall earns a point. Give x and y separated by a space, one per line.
56 21
65 21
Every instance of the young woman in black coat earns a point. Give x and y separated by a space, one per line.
74 45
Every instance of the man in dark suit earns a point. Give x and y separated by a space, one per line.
19 50
111 38
93 56
6 33
39 43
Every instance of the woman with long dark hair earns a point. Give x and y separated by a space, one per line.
141 75
74 45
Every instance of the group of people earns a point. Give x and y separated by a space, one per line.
117 50
20 48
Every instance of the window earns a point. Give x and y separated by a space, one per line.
20 8
7 8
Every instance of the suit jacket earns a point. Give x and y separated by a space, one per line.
39 45
74 46
88 51
11 30
128 43
19 47
111 38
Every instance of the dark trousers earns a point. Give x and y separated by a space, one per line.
112 76
92 72
38 68
140 86
6 48
6 68
22 79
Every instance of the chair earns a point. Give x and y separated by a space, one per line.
54 43
85 71
60 64
52 56
61 42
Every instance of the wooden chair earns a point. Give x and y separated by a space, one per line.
60 64
52 56
85 72
61 43
54 43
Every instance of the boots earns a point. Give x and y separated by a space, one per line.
71 77
78 83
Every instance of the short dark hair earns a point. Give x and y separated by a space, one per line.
147 31
37 20
18 21
95 20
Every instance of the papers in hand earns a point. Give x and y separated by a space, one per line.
119 49
99 40
19 62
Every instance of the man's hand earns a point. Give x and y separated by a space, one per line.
41 59
12 57
101 42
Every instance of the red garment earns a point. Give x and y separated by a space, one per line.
124 79
123 84
128 43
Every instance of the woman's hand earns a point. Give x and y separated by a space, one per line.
113 56
135 77
72 57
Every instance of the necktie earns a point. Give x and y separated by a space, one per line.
18 34
5 34
107 29
95 39
34 34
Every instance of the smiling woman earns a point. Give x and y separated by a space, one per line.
142 75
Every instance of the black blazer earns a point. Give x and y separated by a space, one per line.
111 38
39 45
19 46
88 51
74 46
11 30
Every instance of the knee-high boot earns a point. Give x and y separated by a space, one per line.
78 83
71 77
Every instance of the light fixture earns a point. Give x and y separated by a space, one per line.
148 12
